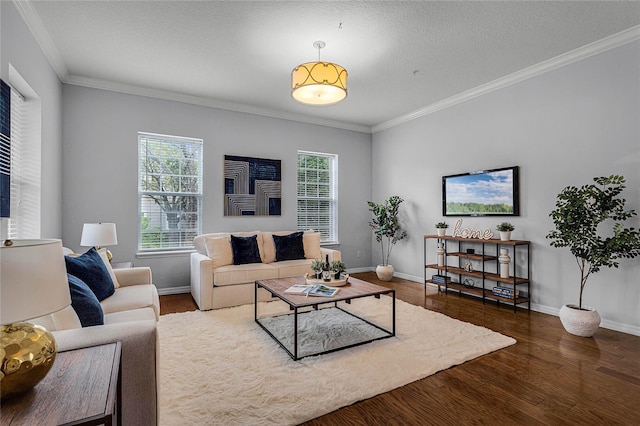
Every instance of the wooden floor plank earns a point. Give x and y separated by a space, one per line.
547 377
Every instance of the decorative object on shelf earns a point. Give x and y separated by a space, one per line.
319 83
505 229
338 267
596 240
386 227
316 267
471 233
441 228
505 292
469 283
471 251
252 186
440 252
34 284
468 266
504 260
98 235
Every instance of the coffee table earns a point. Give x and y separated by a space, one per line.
301 305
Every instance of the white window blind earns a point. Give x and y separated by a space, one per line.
317 194
17 146
169 191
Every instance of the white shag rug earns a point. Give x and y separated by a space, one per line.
220 368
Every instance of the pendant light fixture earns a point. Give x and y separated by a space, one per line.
319 83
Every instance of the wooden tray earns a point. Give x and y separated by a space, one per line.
333 283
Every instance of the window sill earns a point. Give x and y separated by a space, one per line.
164 253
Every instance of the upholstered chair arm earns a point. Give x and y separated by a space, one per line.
139 363
202 280
133 276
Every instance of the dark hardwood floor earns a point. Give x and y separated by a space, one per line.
549 377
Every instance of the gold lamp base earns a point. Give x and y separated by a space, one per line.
28 352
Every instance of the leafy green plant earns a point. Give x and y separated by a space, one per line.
579 218
442 225
316 265
385 225
338 266
505 227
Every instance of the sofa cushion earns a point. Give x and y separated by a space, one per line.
219 250
288 247
105 260
245 250
90 268
85 302
293 268
141 314
133 297
269 247
311 243
242 274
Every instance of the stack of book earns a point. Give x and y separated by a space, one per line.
441 279
505 292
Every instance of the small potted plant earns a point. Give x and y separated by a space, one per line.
316 266
588 221
505 229
338 267
441 227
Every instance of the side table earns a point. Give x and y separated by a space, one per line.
82 388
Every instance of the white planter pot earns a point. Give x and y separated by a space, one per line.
581 322
505 235
384 273
441 232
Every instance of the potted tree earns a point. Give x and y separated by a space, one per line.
588 222
441 227
387 230
505 229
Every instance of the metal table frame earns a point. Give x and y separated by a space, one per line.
315 306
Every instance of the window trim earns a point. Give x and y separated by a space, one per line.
334 190
144 252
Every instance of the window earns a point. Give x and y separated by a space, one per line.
318 194
169 191
25 160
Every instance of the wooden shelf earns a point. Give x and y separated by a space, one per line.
487 280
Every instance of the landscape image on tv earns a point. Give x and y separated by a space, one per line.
491 192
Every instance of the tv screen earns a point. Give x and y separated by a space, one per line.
483 193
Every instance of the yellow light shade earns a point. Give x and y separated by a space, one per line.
319 83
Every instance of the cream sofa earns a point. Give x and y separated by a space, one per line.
217 283
130 316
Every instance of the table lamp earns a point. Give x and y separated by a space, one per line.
98 235
33 283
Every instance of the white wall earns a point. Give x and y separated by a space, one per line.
100 170
562 128
20 50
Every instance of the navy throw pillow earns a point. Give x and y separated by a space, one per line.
289 247
245 250
85 303
90 268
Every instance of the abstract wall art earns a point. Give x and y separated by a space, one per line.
252 186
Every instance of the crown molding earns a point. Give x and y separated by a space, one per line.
210 102
599 46
37 28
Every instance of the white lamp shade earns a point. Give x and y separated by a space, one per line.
99 235
33 280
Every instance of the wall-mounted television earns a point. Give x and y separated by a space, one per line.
483 193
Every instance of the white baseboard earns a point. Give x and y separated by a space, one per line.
174 290
608 324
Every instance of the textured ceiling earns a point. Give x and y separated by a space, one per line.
401 56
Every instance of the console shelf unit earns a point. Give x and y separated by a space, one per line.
488 274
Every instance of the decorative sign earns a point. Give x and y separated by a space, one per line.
471 233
